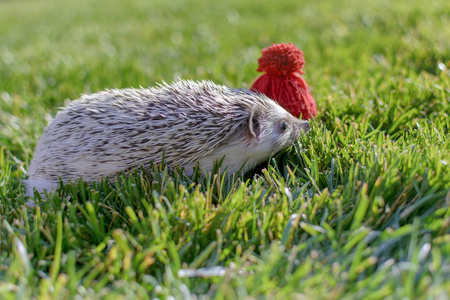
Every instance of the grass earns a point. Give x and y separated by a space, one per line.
359 209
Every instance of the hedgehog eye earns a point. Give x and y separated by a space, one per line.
283 126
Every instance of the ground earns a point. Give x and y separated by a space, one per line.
357 209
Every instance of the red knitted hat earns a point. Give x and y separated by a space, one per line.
282 82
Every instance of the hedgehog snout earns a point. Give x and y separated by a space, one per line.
304 126
301 127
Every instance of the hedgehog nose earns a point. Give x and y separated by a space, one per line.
304 126
301 128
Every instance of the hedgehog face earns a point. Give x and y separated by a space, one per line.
275 129
269 130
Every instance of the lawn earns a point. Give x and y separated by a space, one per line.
357 209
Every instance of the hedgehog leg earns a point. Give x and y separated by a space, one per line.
39 184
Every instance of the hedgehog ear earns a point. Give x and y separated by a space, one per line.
253 122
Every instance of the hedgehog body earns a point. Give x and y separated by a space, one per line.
187 122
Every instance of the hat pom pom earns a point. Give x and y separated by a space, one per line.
281 60
282 64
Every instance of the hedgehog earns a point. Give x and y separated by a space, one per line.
186 122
